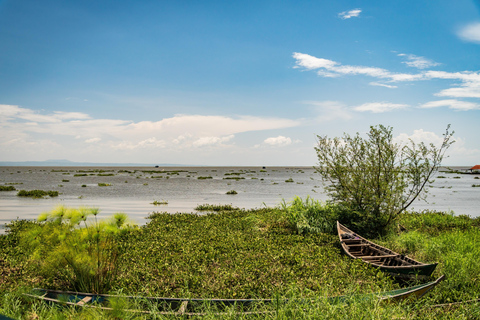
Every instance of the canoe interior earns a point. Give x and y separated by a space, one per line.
387 260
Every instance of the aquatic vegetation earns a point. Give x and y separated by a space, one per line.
80 175
158 203
65 180
7 188
440 177
232 192
475 185
105 174
234 178
84 185
102 184
457 177
37 193
215 207
289 180
82 258
204 178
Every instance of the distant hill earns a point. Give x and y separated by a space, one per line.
68 163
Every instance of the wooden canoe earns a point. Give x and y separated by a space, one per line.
387 260
196 307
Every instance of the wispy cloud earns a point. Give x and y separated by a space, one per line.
470 32
468 86
349 14
452 104
378 84
418 62
379 107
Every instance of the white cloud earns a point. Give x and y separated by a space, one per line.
310 62
350 14
210 141
10 112
418 62
378 84
379 107
467 85
93 140
76 133
470 33
278 141
452 104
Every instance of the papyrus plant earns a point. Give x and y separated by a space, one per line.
75 248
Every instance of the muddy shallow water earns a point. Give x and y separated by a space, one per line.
133 189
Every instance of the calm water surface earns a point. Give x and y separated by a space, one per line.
133 189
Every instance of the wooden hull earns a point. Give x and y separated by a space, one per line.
387 260
193 307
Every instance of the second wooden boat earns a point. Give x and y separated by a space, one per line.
387 260
197 307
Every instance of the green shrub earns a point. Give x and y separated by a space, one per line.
79 253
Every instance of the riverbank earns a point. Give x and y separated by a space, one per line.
256 254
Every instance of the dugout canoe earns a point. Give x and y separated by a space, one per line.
387 260
197 307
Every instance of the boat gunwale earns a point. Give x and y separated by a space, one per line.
415 265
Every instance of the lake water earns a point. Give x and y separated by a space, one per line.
132 190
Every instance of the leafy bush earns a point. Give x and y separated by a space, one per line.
376 178
78 252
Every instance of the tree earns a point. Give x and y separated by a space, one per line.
376 179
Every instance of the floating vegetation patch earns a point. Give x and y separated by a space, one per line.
263 170
441 177
37 193
234 178
7 188
160 203
289 180
233 173
94 171
65 180
101 184
203 178
84 185
16 183
80 175
476 178
215 207
156 177
457 177
232 192
476 185
105 174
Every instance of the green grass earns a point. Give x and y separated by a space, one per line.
258 254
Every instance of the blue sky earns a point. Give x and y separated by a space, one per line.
233 82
